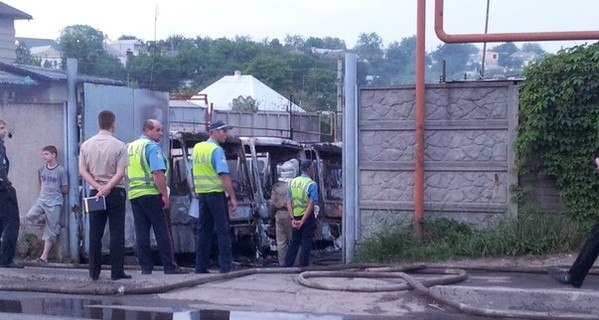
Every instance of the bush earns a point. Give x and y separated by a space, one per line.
445 239
559 126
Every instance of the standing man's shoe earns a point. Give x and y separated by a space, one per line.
12 264
564 278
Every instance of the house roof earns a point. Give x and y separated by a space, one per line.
222 92
8 11
35 42
16 80
44 74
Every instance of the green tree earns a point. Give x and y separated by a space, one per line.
86 44
505 51
273 70
534 47
457 57
24 56
370 47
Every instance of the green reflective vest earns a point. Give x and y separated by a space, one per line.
205 177
298 187
141 180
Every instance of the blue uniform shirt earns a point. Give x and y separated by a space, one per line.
154 155
219 161
312 190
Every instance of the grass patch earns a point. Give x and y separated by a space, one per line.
443 239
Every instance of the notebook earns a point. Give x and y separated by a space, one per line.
92 204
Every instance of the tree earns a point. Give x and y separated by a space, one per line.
86 44
247 104
533 47
273 70
127 37
24 56
400 61
456 56
505 51
370 47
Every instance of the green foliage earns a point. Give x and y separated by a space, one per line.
446 239
24 56
457 57
559 126
86 44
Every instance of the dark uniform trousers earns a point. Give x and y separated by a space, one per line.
9 224
148 213
213 215
301 237
586 258
115 214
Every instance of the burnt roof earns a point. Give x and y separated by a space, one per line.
45 74
8 11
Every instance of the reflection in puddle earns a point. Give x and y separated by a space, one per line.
96 309
79 308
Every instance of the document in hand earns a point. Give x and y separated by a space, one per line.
92 204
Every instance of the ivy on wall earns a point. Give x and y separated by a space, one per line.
559 126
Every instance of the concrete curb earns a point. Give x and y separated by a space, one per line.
543 300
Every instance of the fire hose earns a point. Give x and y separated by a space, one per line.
445 275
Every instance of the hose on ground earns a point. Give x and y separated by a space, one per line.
307 279
450 274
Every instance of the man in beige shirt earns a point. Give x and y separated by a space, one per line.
102 163
278 207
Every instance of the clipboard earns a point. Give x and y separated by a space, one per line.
91 204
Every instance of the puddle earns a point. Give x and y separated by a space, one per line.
97 309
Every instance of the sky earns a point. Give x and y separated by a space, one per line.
345 19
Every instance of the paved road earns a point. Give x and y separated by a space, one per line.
258 296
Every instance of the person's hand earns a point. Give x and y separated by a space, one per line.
295 224
232 206
166 202
103 191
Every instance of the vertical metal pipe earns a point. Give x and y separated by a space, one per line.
72 155
291 116
350 165
420 115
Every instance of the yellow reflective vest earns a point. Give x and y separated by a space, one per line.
205 177
298 187
141 179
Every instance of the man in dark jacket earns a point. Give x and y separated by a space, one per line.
9 210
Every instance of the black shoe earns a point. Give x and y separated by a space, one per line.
12 264
122 276
564 278
175 271
95 278
146 271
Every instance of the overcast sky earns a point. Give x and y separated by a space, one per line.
259 19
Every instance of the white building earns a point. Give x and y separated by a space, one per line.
222 93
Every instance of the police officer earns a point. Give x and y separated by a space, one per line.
211 180
301 200
147 171
9 210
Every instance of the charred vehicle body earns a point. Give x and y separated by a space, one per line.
328 160
254 164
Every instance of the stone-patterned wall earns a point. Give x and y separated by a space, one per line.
469 160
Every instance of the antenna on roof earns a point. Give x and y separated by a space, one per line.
154 49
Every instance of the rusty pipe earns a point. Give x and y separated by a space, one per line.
420 112
506 37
